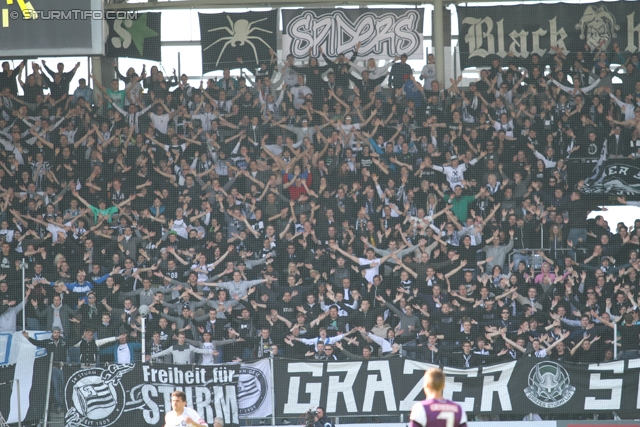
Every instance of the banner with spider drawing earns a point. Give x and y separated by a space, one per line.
382 33
227 37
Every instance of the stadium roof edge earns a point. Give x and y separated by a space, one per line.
248 4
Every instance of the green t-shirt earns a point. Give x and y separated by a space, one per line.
460 207
117 96
109 212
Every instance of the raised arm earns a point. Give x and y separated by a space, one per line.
558 341
577 346
79 197
345 253
513 343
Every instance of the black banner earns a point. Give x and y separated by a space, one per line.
135 38
383 33
225 37
140 395
608 178
525 29
391 387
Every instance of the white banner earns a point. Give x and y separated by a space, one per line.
22 368
254 389
383 33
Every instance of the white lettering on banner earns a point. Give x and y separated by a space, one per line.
337 387
409 366
225 403
166 394
501 51
386 35
632 32
385 385
634 364
482 41
189 375
617 170
124 41
151 413
536 41
615 385
455 387
519 45
476 35
202 402
314 390
204 398
557 36
491 385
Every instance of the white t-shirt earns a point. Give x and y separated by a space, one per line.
8 235
180 227
161 122
371 272
429 74
207 359
542 353
54 230
174 420
201 276
124 355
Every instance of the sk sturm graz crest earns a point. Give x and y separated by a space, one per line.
252 390
549 385
95 396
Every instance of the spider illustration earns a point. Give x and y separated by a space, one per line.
239 33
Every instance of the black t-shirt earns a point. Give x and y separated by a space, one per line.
630 337
7 261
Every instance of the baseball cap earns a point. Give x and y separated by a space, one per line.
454 157
186 307
173 232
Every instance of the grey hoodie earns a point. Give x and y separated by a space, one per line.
8 318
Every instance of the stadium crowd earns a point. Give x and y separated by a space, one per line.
306 211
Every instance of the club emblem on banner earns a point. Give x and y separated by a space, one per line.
252 390
95 396
549 385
